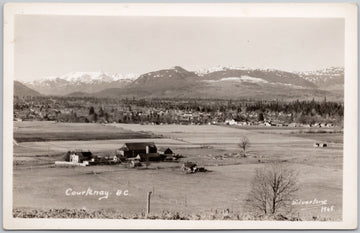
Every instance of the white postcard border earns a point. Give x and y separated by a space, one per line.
279 10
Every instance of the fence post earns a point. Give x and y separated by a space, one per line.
148 204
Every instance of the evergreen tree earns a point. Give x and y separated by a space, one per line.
261 117
92 110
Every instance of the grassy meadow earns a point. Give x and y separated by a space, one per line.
225 186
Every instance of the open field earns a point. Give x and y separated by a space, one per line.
226 186
35 131
327 135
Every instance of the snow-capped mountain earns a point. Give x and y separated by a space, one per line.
173 75
204 71
332 71
87 82
90 77
218 82
327 79
270 76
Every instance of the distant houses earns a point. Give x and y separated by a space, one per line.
231 122
320 144
156 113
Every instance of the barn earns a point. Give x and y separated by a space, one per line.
131 150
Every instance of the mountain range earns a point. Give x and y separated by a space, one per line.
216 83
22 90
88 82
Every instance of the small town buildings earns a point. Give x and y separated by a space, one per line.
268 124
230 122
17 119
294 125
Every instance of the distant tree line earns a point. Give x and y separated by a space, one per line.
131 110
312 108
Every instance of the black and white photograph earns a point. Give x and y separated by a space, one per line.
170 116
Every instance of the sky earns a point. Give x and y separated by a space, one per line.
56 45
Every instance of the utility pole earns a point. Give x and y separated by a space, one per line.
148 203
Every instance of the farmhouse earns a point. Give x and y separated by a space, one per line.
79 156
76 158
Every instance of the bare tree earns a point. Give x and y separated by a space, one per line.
244 144
273 189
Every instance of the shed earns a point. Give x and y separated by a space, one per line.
168 151
189 167
320 144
